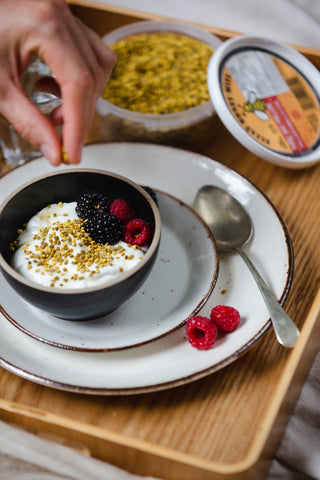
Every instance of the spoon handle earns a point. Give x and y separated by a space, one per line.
286 331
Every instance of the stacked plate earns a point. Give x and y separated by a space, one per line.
143 346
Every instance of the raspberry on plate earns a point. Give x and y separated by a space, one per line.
137 232
122 210
201 332
226 318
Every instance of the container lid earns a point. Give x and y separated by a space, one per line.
268 96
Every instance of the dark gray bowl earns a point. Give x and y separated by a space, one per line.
67 186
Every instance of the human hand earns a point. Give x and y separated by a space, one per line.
78 59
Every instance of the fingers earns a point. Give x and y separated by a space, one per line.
106 57
81 83
79 61
81 77
31 124
80 97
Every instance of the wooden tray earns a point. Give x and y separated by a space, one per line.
228 425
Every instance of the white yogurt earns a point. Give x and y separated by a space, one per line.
53 251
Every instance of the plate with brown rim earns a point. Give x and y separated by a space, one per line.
170 360
178 286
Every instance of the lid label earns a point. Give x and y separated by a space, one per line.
271 101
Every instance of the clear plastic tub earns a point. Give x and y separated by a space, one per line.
185 128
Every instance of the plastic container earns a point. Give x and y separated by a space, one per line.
185 128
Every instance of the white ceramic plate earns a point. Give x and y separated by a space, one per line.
170 360
180 283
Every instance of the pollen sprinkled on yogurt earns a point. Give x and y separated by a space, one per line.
55 251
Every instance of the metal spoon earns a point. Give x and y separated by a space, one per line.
232 229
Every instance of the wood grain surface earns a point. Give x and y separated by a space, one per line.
227 425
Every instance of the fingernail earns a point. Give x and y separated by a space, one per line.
49 153
78 155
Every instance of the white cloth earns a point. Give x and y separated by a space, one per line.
24 456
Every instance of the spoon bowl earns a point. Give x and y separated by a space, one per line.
232 228
225 216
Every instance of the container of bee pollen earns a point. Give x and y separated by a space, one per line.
267 95
158 90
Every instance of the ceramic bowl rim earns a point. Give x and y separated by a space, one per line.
109 283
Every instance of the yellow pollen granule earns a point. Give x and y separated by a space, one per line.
66 243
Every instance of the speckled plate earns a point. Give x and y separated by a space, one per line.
170 360
180 283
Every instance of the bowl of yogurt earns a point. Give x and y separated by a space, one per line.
78 243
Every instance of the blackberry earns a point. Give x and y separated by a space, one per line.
103 227
151 192
90 203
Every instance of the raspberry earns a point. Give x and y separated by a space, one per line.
104 228
122 210
91 203
201 332
137 232
226 318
